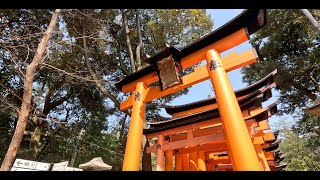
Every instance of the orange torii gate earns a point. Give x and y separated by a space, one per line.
199 124
164 67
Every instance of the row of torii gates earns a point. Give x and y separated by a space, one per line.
228 132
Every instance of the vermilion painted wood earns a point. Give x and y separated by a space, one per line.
131 160
237 136
200 74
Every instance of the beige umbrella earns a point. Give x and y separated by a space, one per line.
315 108
96 164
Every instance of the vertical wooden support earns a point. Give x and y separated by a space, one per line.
241 150
146 157
193 161
185 162
211 165
160 153
169 160
192 156
211 162
201 161
177 161
207 161
131 161
262 157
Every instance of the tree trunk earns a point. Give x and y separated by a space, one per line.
27 94
76 147
123 125
93 74
46 144
146 157
138 49
127 31
122 66
314 22
306 91
35 145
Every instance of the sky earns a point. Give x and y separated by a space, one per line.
202 90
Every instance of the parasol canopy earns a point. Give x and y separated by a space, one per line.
96 164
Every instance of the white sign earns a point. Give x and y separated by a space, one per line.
60 166
42 166
26 165
21 163
63 166
30 165
21 169
73 169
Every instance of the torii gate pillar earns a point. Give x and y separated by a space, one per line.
241 150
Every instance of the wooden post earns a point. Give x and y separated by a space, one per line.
146 157
206 154
201 161
160 153
262 157
193 161
192 156
241 150
211 162
185 162
177 162
131 160
169 160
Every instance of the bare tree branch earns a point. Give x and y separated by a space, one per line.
97 82
17 67
307 92
67 73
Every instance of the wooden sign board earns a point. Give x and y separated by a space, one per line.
27 165
60 166
63 166
22 169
